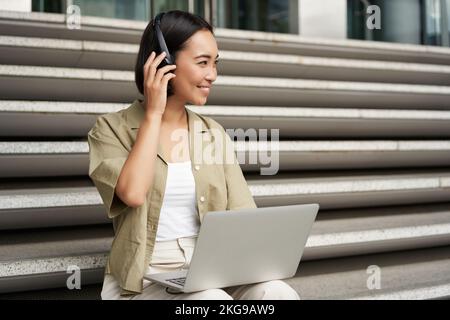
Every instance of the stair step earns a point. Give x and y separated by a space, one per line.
35 24
42 207
122 56
342 278
67 53
352 189
364 130
256 41
326 284
46 244
30 255
52 273
65 158
118 86
75 119
256 64
87 292
361 231
38 204
415 274
66 84
331 122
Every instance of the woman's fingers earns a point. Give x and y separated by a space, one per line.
155 85
161 72
166 79
154 66
149 70
147 65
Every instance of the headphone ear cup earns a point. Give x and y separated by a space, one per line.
169 89
172 59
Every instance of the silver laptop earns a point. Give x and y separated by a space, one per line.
244 246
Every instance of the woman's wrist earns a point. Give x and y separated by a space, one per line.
153 117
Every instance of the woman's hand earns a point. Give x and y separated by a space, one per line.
155 84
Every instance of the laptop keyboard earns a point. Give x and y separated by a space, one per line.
178 281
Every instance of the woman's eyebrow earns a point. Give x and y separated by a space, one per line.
205 56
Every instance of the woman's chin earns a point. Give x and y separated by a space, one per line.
201 101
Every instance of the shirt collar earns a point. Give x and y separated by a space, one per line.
196 125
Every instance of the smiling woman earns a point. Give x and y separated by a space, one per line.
190 41
158 203
196 65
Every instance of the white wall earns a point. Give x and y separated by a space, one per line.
15 5
323 18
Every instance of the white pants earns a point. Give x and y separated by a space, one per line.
176 255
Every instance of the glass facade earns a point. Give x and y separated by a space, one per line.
405 21
195 6
263 15
53 6
142 10
446 18
119 9
432 22
166 5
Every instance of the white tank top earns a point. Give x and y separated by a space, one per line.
178 217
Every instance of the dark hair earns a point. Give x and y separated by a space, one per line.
177 27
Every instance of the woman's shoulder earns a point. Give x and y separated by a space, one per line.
107 122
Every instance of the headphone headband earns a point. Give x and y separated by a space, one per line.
157 19
159 35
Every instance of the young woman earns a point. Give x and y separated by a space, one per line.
146 162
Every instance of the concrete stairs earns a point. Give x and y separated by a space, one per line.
364 128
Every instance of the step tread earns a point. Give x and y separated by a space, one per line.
412 274
226 55
289 113
338 181
46 243
337 228
135 28
225 80
8 148
403 271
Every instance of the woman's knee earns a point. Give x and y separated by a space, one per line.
279 290
273 290
211 294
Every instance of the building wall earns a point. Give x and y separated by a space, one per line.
324 18
16 5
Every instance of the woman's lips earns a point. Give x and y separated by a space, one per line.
204 89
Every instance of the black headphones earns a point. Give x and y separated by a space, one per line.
168 59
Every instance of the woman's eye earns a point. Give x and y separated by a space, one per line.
206 62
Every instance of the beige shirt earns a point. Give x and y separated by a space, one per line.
220 185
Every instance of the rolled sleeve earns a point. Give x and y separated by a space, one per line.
106 159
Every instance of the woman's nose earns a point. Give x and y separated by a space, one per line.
212 75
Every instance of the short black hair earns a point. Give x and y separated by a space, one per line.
177 27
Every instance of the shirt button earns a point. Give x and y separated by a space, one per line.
197 167
202 198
